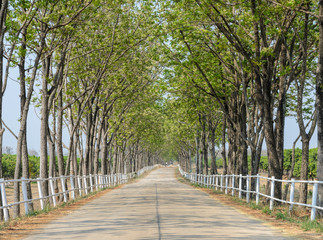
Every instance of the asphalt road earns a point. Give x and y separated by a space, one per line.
156 207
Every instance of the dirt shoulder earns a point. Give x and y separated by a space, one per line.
292 229
21 227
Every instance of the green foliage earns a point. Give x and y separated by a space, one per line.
281 215
309 225
8 165
298 162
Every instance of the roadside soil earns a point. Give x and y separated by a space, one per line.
19 228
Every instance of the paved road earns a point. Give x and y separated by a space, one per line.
156 207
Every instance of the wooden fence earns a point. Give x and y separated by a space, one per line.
222 182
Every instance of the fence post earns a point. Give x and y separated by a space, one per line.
40 194
24 194
91 183
221 182
63 188
96 182
272 191
72 187
232 185
101 181
240 186
51 184
207 181
314 198
291 194
85 184
4 200
213 180
257 189
217 182
79 185
226 184
247 189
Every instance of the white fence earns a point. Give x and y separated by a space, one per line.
222 182
80 185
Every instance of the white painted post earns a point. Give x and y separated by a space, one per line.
213 180
217 182
63 188
85 184
24 194
257 189
221 183
91 183
226 184
96 182
272 191
4 200
291 194
207 181
72 187
240 186
51 184
247 189
314 198
79 185
40 194
100 181
232 185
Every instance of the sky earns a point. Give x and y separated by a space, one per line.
11 113
11 116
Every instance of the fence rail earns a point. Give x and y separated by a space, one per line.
222 181
78 185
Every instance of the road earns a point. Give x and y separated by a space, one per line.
156 207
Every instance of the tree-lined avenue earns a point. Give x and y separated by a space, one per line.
156 207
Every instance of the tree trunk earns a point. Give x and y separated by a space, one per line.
197 152
86 165
319 108
97 150
59 142
304 171
44 124
224 154
104 146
